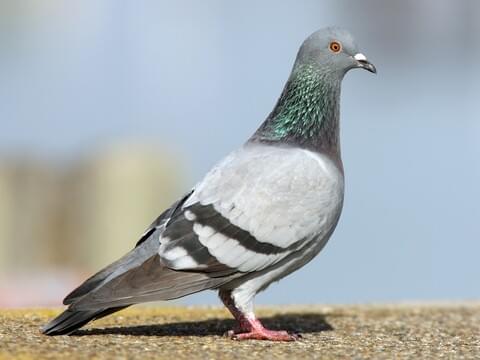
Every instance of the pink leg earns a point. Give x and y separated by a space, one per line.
249 327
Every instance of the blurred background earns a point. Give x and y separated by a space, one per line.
110 110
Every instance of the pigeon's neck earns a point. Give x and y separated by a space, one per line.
306 114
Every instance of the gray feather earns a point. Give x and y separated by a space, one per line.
149 282
131 260
69 321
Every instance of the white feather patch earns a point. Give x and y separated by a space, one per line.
190 215
203 230
229 251
214 241
178 258
174 253
185 262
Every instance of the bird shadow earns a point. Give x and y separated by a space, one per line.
303 323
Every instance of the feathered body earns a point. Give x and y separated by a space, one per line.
261 213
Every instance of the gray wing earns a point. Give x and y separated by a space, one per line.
255 208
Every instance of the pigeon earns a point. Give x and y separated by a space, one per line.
261 213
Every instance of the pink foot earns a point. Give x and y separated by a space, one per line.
263 334
252 329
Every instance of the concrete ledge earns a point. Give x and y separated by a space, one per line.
331 332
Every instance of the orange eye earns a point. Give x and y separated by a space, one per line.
335 46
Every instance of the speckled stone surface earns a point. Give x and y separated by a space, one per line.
329 332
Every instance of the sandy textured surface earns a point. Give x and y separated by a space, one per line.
339 332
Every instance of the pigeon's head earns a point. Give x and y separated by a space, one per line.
332 50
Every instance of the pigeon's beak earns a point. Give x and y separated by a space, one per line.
363 63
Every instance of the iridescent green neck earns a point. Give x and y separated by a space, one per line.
307 112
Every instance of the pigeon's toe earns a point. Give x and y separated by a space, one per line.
263 334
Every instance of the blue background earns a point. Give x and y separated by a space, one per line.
199 77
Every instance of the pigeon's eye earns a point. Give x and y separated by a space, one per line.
335 46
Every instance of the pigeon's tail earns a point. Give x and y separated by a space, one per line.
71 320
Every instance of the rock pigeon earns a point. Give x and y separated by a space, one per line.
261 213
